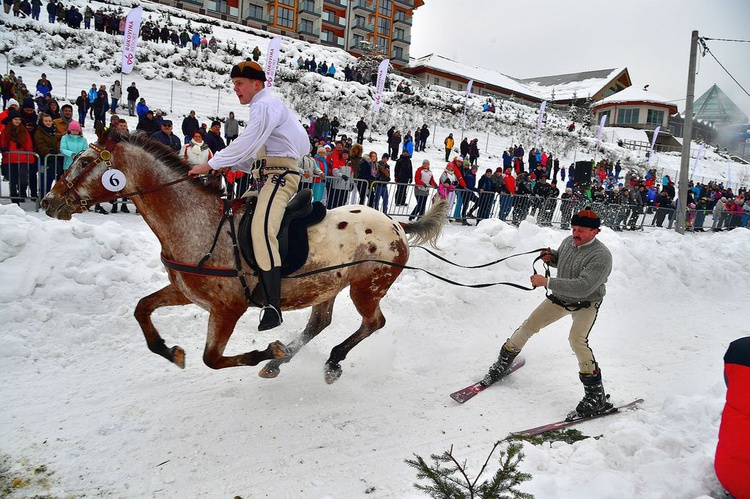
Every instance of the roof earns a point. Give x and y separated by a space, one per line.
573 85
476 73
553 88
635 94
715 107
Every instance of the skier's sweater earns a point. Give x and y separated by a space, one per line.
581 271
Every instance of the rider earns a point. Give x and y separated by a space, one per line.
275 135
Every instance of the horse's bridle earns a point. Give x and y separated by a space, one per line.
73 199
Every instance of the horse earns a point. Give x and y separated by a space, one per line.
184 214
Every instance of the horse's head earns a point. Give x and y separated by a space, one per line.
90 179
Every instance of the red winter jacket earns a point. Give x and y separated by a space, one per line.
732 463
15 152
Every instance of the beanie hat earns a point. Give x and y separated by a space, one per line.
73 126
586 218
248 69
215 123
13 102
13 113
28 103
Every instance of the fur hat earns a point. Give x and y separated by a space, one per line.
248 69
586 218
13 102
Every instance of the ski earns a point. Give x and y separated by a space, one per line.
575 418
465 394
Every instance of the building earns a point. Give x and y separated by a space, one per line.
356 26
565 89
635 108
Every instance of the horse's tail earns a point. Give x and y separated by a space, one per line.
428 228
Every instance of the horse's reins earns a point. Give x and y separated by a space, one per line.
73 199
444 279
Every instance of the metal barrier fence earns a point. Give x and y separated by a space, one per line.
25 181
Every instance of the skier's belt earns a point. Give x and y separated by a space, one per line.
569 306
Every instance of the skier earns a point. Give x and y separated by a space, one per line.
583 265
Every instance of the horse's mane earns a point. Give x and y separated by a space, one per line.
166 155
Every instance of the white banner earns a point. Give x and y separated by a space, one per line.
539 121
382 72
272 59
653 143
697 158
466 98
729 174
599 137
130 39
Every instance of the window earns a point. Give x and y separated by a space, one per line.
385 8
436 80
384 26
400 16
448 83
607 114
357 41
382 45
655 117
290 3
328 15
627 116
306 26
328 36
359 21
254 12
459 87
398 53
308 5
398 34
285 17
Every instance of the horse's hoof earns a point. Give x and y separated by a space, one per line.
332 373
178 356
278 350
270 370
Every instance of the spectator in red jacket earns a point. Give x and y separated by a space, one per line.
732 463
18 153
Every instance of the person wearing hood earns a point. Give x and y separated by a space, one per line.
12 104
18 153
82 103
100 106
61 123
52 108
47 147
231 128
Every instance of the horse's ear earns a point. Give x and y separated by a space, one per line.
100 135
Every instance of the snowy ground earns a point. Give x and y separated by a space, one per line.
84 397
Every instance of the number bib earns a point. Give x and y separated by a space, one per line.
113 180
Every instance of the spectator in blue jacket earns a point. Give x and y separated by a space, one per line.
141 109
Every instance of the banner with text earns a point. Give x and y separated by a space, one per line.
466 99
272 60
539 121
130 39
382 72
653 143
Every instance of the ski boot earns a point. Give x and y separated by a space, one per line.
500 369
594 400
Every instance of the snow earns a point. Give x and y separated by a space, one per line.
90 411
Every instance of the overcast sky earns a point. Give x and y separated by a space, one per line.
525 38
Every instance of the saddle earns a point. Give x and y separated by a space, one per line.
294 246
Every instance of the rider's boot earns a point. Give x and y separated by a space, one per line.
271 312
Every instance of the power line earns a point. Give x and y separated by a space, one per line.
725 40
706 50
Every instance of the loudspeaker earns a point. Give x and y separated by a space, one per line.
583 172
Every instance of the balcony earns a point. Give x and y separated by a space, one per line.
402 37
408 4
363 27
401 19
309 9
366 6
341 4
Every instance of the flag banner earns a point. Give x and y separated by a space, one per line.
599 136
468 87
729 174
697 158
272 60
382 72
466 98
539 121
653 143
130 39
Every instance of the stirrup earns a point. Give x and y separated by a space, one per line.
270 317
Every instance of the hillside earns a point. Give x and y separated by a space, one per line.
181 79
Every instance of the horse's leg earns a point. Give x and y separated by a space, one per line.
221 324
368 306
167 296
320 318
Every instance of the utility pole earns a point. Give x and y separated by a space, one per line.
687 136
